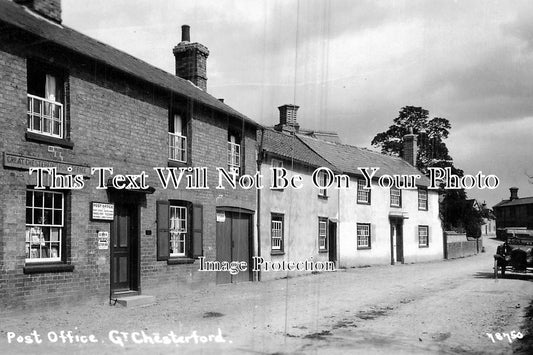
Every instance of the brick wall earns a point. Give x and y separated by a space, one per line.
118 122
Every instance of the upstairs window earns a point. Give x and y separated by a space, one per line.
322 181
234 153
423 199
395 197
177 139
363 194
45 101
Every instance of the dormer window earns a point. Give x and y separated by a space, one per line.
177 139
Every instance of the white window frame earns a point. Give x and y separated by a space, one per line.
234 157
364 236
276 230
423 199
177 141
322 181
363 194
35 237
322 234
48 113
178 231
395 197
423 236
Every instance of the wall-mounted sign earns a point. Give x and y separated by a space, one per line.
18 161
103 240
102 211
221 217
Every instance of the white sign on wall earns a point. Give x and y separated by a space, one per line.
103 240
102 211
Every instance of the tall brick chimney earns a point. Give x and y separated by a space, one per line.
51 9
287 118
514 193
410 148
191 59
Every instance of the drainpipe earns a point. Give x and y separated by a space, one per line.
260 155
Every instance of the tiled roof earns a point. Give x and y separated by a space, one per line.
348 158
515 202
288 146
17 16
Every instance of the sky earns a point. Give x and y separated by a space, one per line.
352 65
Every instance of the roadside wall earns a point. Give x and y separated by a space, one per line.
457 246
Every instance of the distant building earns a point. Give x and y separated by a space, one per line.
515 212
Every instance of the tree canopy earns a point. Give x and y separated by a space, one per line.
456 211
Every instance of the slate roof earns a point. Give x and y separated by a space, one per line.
17 16
288 146
347 158
515 202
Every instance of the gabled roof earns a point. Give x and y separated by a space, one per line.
515 202
347 159
288 146
19 17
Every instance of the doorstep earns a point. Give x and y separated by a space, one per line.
134 300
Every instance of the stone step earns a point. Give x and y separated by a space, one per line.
136 301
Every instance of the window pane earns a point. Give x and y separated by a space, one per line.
48 197
58 201
38 199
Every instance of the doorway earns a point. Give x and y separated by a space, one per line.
234 237
125 249
332 242
396 238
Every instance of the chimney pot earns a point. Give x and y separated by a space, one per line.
185 33
514 193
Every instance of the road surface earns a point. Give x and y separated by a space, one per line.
445 307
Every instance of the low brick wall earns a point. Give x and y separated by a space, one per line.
457 246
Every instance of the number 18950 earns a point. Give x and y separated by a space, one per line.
502 336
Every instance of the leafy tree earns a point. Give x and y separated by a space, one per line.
456 212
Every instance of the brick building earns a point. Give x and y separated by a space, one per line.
70 102
514 213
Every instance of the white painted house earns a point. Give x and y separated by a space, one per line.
382 225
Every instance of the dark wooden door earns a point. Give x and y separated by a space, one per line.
240 229
233 244
399 242
224 242
124 251
332 241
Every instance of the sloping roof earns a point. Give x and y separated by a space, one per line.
348 159
288 146
515 202
17 16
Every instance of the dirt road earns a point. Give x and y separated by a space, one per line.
443 307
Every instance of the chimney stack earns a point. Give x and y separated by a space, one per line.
287 118
410 148
191 59
514 193
51 9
